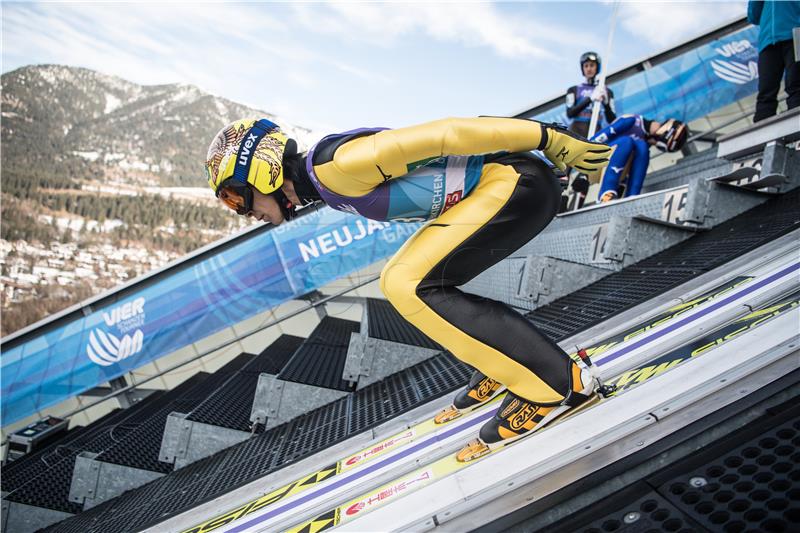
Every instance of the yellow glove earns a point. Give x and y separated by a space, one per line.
565 149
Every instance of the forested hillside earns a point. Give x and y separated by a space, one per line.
102 181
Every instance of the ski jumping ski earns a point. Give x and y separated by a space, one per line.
618 386
364 469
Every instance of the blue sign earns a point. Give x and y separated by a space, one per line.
682 87
218 292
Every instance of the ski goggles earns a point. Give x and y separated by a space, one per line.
236 195
239 197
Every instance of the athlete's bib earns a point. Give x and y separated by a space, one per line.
585 90
429 188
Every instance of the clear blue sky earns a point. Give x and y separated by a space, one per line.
332 66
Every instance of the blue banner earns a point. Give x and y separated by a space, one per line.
689 86
220 291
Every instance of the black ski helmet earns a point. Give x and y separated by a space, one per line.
591 56
671 135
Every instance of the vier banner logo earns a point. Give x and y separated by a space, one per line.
106 348
739 62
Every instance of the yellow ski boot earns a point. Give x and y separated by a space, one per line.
479 390
518 417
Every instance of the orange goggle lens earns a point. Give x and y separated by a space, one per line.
235 201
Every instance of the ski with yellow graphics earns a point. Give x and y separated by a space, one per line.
661 364
429 427
627 380
347 464
666 316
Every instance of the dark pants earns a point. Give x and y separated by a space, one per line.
772 62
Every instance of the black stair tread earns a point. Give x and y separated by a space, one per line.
230 405
140 448
660 272
46 483
387 324
274 357
320 359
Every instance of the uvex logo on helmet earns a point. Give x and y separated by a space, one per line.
249 152
247 149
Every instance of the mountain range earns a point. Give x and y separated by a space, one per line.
56 117
102 181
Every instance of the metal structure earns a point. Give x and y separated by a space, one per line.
408 451
580 247
264 457
125 391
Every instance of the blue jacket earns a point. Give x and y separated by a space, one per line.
776 20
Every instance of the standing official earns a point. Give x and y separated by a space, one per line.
776 56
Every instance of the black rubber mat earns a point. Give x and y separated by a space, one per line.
230 404
320 359
386 323
141 447
15 473
44 481
50 489
378 401
271 450
654 275
753 487
747 481
235 364
636 509
275 356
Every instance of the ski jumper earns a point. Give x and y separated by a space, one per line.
484 198
629 135
579 108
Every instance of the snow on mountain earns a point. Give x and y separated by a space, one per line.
156 133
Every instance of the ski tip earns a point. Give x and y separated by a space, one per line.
474 449
446 415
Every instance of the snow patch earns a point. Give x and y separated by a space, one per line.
75 224
48 75
91 156
133 165
184 94
222 109
120 190
112 103
166 165
186 193
204 194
